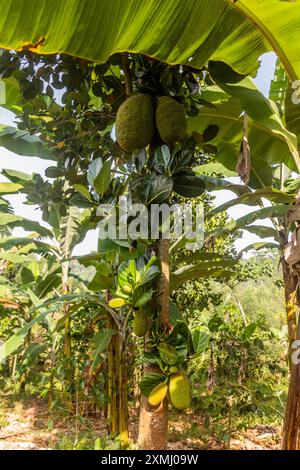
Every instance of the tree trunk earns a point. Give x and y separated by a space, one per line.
290 288
67 338
291 427
153 421
117 409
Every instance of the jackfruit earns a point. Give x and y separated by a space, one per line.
171 120
179 389
140 323
116 303
158 394
135 123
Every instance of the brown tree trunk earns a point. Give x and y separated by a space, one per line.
290 287
153 421
291 425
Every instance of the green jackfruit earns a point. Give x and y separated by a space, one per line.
158 394
140 323
179 389
135 123
171 120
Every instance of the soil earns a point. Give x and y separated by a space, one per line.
28 425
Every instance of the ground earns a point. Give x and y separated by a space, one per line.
29 425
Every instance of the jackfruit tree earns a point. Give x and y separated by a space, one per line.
164 129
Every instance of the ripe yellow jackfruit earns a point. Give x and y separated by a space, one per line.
179 389
158 394
135 123
116 303
171 120
140 323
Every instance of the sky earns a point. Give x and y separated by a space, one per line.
36 165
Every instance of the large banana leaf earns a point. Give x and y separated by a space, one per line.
279 22
270 142
12 220
173 31
22 143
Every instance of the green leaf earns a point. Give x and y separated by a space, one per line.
255 198
167 353
242 222
12 220
83 190
10 188
188 185
22 143
200 338
100 343
144 298
17 177
102 181
278 21
149 381
168 30
249 330
261 246
270 142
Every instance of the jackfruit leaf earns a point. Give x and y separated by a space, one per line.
99 344
200 339
149 274
102 181
188 185
168 353
100 282
149 381
144 299
175 313
94 170
162 159
152 189
83 191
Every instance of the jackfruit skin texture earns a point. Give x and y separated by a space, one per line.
158 394
140 323
179 390
135 123
171 120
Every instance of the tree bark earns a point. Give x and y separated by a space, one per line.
153 421
291 427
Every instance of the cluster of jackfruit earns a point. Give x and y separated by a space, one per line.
140 323
179 392
135 122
